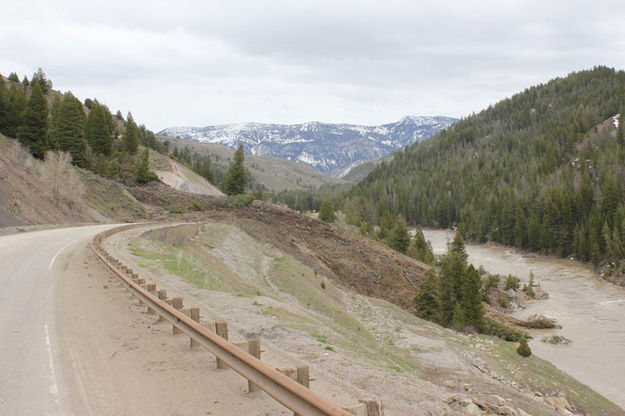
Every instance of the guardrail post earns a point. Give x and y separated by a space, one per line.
221 329
302 376
195 315
152 290
253 346
162 295
374 407
177 303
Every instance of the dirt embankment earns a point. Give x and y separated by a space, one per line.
357 262
55 192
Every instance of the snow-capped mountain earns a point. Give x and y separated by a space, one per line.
326 147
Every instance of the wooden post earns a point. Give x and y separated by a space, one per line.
374 407
162 295
302 376
177 303
221 329
152 290
254 350
195 315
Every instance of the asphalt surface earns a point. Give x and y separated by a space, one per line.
30 271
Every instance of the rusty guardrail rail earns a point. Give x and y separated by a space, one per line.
279 386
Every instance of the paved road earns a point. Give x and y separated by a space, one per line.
73 341
29 274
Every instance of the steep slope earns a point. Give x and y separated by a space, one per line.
178 176
54 192
326 147
272 173
519 172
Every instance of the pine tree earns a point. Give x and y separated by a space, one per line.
399 239
472 299
326 212
202 166
55 122
143 173
25 82
458 321
453 268
235 179
17 104
4 106
71 132
457 245
40 78
427 300
99 135
13 77
131 136
420 248
33 132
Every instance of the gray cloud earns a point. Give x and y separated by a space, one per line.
196 63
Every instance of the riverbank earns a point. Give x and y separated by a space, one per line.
590 309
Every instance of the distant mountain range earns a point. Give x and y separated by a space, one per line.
326 147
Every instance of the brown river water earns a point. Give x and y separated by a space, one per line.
590 310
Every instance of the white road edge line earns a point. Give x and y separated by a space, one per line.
54 390
57 253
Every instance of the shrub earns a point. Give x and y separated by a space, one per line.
512 282
177 208
197 206
501 331
240 200
524 350
323 285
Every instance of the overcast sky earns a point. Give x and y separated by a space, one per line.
207 62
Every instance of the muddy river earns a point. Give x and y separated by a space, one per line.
590 310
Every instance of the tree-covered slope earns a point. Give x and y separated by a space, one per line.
542 170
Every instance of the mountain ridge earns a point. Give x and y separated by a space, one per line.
327 147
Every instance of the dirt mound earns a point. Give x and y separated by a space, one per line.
357 262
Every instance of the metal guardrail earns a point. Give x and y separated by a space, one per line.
285 390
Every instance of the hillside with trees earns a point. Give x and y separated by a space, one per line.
44 120
543 171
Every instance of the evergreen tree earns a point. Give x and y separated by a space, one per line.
427 300
235 179
40 78
472 299
203 167
55 122
99 134
17 104
4 106
420 248
453 268
143 173
33 132
458 321
13 77
25 82
326 212
131 136
457 245
398 238
71 130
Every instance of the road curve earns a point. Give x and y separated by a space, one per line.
29 275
